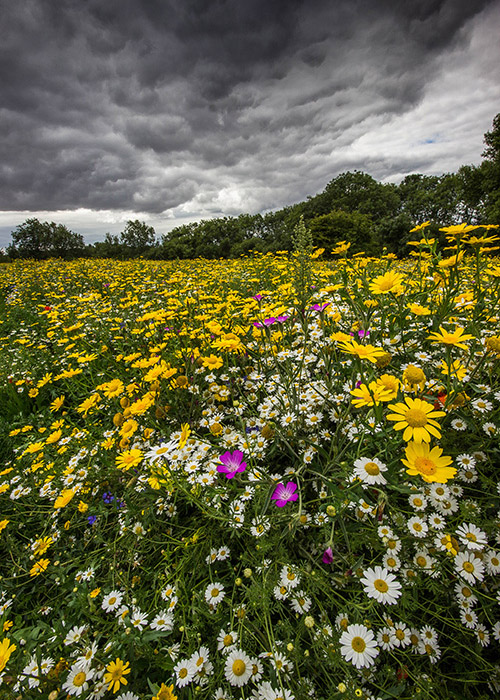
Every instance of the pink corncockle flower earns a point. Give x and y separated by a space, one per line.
282 494
231 463
257 297
270 321
328 556
362 334
319 307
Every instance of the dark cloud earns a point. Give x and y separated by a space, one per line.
197 105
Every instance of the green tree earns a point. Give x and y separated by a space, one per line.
137 237
40 240
353 227
490 170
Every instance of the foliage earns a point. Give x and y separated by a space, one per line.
226 477
41 240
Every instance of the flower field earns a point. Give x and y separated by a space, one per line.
269 478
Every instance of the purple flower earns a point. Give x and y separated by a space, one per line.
91 519
257 297
282 494
231 463
108 497
319 307
328 556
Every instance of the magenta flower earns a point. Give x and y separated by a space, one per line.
328 556
282 494
231 463
319 307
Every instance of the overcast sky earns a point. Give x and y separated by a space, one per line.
177 110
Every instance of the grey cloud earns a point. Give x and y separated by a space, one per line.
152 105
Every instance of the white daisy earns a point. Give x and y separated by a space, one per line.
163 622
112 601
417 526
214 593
370 470
238 667
401 634
470 567
184 672
493 563
384 639
471 536
378 583
358 646
226 641
77 681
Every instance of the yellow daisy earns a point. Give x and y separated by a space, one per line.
456 338
416 418
430 464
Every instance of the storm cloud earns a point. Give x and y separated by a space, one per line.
193 108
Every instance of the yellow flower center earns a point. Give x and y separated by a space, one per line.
417 502
400 634
79 679
239 667
494 561
183 673
391 562
417 527
372 469
426 466
358 644
112 601
416 418
391 544
381 585
468 566
215 592
421 561
471 537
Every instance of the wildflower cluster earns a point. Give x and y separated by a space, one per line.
220 478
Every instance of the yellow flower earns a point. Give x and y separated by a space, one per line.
3 524
185 433
95 592
64 498
418 310
212 362
456 338
419 227
370 395
493 344
364 352
83 507
128 428
341 248
451 261
391 383
165 693
116 672
42 545
416 417
456 369
388 282
128 459
113 388
414 377
39 567
431 466
54 437
6 649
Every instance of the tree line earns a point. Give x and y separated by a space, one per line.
354 207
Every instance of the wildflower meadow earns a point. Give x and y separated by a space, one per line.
270 478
